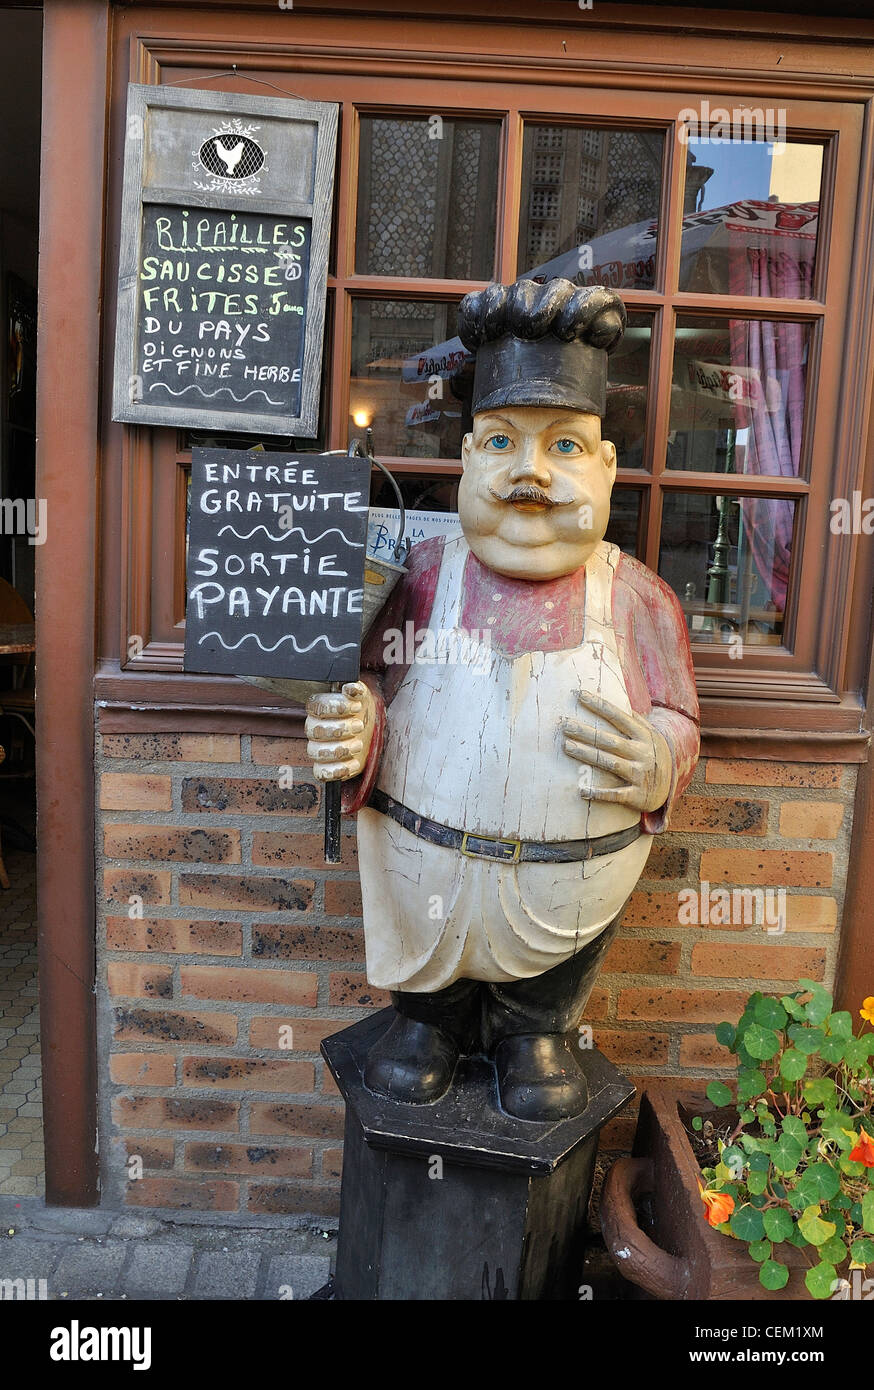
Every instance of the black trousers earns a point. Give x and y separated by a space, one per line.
478 1014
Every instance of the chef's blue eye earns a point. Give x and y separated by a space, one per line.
499 441
567 446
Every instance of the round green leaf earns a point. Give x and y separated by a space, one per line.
811 1224
726 1034
793 1065
867 1212
761 1042
760 1250
820 1005
796 1127
750 1083
718 1093
856 1052
834 1251
792 1006
807 1040
862 1251
819 1183
786 1154
820 1090
773 1275
832 1050
770 1013
697 1123
840 1024
757 1183
778 1224
747 1224
821 1280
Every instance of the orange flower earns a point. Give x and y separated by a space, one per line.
867 1009
864 1150
718 1206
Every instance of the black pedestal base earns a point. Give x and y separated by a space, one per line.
458 1200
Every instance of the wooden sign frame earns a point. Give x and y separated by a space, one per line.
302 136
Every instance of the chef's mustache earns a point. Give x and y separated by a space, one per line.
527 492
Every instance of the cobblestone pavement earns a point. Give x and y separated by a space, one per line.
60 1253
22 1166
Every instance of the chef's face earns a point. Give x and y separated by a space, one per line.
534 497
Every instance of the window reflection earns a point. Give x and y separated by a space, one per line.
737 395
752 225
627 381
727 560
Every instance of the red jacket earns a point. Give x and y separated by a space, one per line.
651 635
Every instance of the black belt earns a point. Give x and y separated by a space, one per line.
493 847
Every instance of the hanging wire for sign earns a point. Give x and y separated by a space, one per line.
232 72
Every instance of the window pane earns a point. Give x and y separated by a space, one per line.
590 201
627 379
427 197
404 352
752 216
624 526
737 397
727 560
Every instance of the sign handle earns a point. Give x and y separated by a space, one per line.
333 793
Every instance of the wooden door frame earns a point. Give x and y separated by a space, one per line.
75 80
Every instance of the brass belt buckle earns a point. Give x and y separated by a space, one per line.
514 848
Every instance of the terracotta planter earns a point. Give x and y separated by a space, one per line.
675 1254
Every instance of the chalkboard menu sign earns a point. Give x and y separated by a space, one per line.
223 261
275 574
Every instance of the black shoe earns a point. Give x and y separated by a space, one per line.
412 1062
539 1077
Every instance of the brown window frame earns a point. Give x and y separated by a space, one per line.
801 689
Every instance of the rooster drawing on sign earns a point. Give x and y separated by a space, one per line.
230 158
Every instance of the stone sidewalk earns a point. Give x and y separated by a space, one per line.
93 1254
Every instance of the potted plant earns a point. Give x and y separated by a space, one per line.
769 1193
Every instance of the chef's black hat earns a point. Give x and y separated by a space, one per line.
541 344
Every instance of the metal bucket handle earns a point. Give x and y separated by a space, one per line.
355 450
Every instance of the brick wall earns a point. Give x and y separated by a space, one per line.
250 949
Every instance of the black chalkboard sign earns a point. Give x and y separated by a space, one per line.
275 572
223 299
223 261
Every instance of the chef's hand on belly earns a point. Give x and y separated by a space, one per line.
636 753
339 728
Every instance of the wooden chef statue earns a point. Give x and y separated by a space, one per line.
509 778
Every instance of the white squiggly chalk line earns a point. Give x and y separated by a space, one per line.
287 638
209 394
332 530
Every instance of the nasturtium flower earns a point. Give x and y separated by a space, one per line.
718 1206
864 1149
867 1009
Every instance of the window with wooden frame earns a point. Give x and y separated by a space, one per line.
733 256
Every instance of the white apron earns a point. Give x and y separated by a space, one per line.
478 745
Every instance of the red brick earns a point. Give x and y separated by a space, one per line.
131 791
287 1199
171 1025
632 1046
248 986
651 910
352 988
274 1161
143 1069
310 1121
681 1005
719 815
806 912
777 868
280 752
598 1004
666 861
633 955
151 886
343 897
702 1050
140 981
188 1194
306 1033
170 1112
758 962
332 1163
153 1153
814 820
745 772
305 851
169 843
190 748
240 894
248 1074
290 941
174 937
248 794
